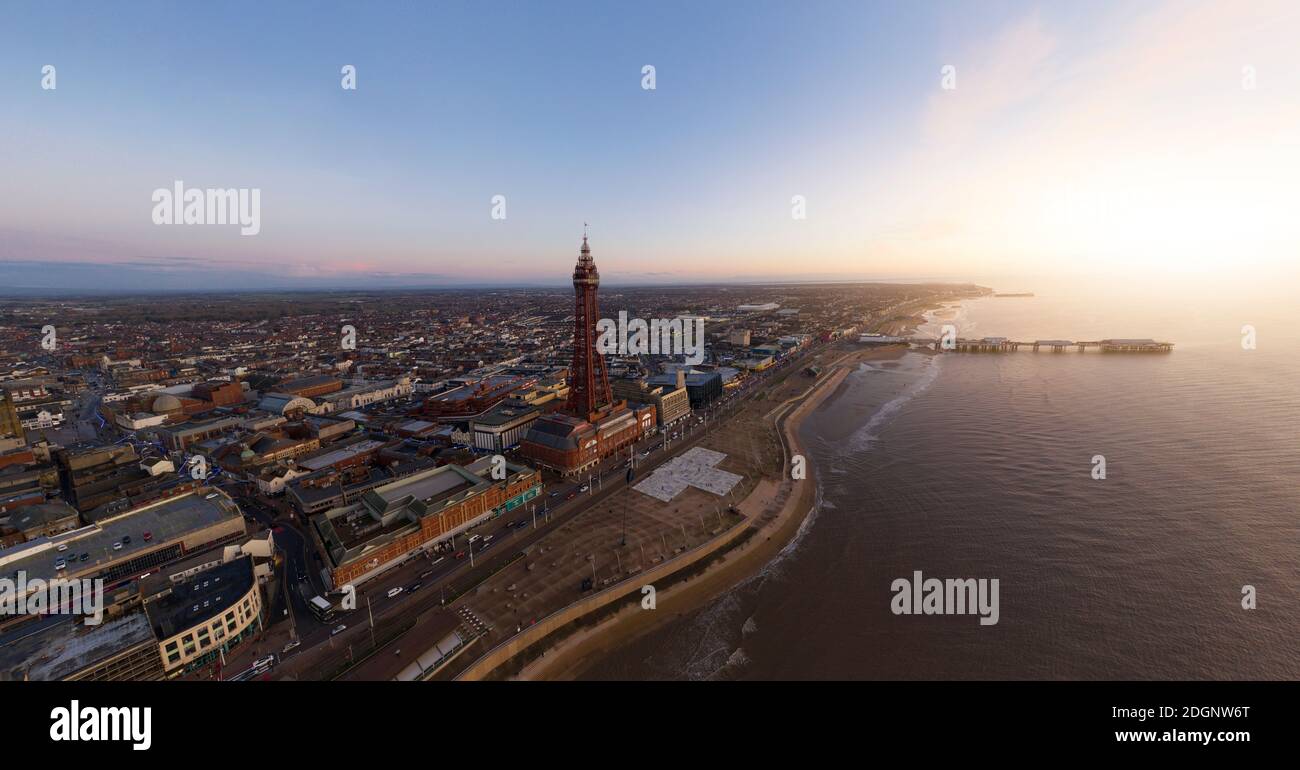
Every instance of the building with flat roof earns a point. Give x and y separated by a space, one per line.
702 387
219 393
356 453
117 650
470 399
502 426
364 394
99 475
197 619
672 402
183 435
44 519
124 545
311 386
394 521
336 487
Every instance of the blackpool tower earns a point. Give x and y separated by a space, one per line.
588 382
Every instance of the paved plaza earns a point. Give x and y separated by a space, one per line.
696 468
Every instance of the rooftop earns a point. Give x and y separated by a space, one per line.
63 648
339 455
167 520
204 596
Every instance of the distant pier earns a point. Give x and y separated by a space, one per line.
1005 345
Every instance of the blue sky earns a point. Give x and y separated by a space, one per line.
542 103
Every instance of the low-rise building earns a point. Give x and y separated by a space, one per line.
702 387
672 403
392 522
122 545
502 426
181 436
204 615
117 650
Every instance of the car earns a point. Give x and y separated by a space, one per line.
63 547
84 556
292 645
60 564
487 539
126 539
148 536
302 576
340 628
266 662
555 493
414 587
583 488
571 495
394 592
460 554
117 546
521 524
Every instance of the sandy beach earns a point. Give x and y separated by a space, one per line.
572 654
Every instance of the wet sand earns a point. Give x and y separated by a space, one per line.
571 655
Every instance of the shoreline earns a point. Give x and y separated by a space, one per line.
569 657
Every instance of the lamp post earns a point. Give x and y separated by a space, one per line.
626 495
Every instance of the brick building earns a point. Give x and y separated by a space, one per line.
393 521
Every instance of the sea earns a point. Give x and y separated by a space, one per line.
1182 562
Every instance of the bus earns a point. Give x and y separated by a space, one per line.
322 609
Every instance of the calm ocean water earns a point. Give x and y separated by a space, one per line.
978 466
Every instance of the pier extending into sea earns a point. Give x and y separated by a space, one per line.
1005 345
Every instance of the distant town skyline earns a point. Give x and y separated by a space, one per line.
1152 138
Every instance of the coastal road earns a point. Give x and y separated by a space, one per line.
427 580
